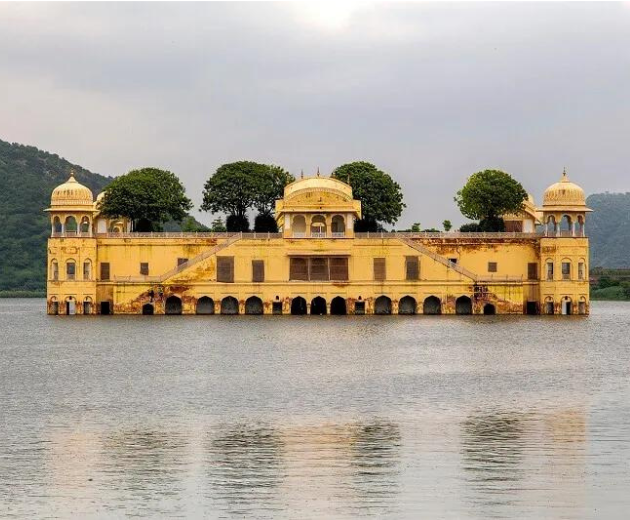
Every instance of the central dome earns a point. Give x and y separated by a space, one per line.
71 193
564 193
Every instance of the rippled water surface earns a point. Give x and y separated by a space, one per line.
314 417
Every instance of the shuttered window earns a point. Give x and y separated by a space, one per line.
492 267
338 268
70 270
144 268
225 269
319 269
379 269
412 268
532 271
299 269
104 270
258 271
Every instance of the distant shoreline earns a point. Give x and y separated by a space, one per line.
22 294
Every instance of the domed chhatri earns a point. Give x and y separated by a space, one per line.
564 194
71 193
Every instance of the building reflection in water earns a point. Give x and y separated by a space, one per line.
146 467
244 467
535 459
335 469
375 452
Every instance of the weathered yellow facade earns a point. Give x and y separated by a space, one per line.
317 264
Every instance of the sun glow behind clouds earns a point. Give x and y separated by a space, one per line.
326 15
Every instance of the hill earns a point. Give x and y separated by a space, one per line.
27 177
608 228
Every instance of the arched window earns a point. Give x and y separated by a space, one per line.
298 305
383 305
463 305
580 226
173 305
551 227
407 305
85 226
54 270
432 305
318 226
549 305
57 226
87 270
71 270
253 305
338 226
549 269
299 226
566 269
566 226
70 225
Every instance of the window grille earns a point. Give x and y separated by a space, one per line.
412 268
339 268
379 269
225 269
258 271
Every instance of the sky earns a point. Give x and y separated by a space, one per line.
430 93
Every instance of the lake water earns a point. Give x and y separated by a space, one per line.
314 417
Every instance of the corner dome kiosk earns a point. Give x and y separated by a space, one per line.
317 207
564 209
71 209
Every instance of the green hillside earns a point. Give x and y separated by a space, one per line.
27 178
608 228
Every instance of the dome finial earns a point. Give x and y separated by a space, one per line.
302 173
318 171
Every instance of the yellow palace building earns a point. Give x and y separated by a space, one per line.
317 264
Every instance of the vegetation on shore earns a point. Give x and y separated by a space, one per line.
28 176
610 284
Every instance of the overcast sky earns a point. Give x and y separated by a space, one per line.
430 93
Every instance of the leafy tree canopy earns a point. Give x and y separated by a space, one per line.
218 226
381 197
146 196
239 186
489 194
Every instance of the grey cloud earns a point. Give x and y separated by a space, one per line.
429 92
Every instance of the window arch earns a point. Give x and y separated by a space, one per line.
54 270
87 270
338 225
582 273
299 226
566 226
549 269
318 226
85 226
580 226
71 270
550 225
57 225
566 268
70 224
